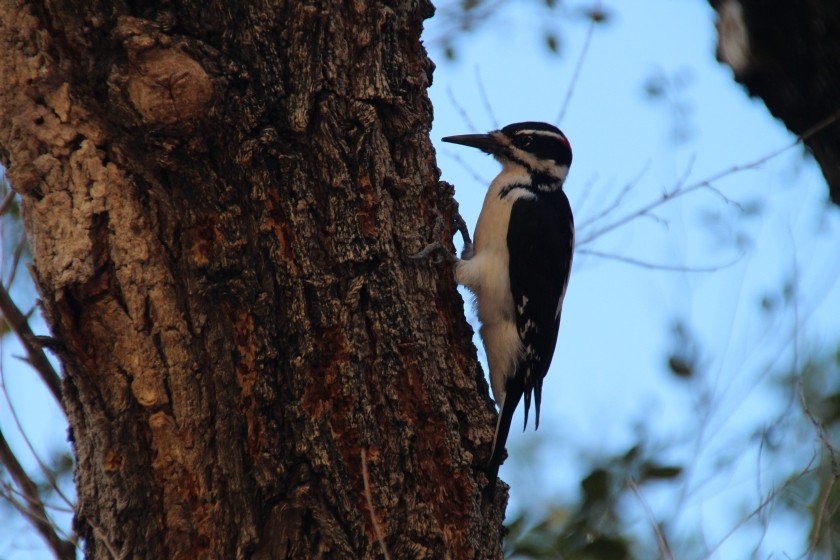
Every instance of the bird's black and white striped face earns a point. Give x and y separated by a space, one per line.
540 148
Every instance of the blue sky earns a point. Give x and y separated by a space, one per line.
608 375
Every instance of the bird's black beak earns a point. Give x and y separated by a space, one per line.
484 142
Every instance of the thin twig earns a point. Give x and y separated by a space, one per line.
658 266
46 471
689 167
763 517
475 176
377 529
589 32
661 541
14 496
817 529
706 183
482 91
36 357
820 429
21 245
585 192
33 509
18 502
714 190
818 426
7 202
617 200
769 498
824 440
12 492
460 109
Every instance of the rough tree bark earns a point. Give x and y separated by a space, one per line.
788 54
221 197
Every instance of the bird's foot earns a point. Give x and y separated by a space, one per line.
461 226
467 252
436 247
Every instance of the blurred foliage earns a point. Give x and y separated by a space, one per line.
817 493
682 359
459 18
594 529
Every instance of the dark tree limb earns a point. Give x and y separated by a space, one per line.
788 54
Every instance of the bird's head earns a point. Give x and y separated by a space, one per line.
540 148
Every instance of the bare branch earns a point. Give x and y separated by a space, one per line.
21 245
769 498
658 266
11 494
818 521
44 470
818 426
680 190
820 429
460 109
36 357
33 509
475 176
661 541
618 199
725 198
484 99
589 32
7 202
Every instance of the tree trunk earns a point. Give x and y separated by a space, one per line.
221 198
788 54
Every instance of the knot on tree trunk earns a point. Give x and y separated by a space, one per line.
168 86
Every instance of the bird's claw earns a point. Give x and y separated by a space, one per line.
437 248
467 252
461 226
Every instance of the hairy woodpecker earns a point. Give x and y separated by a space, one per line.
519 266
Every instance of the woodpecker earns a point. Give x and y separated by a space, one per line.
519 265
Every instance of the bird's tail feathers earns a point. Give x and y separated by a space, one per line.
537 401
527 409
497 454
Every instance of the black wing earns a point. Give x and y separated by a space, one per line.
540 243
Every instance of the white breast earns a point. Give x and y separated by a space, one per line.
487 276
